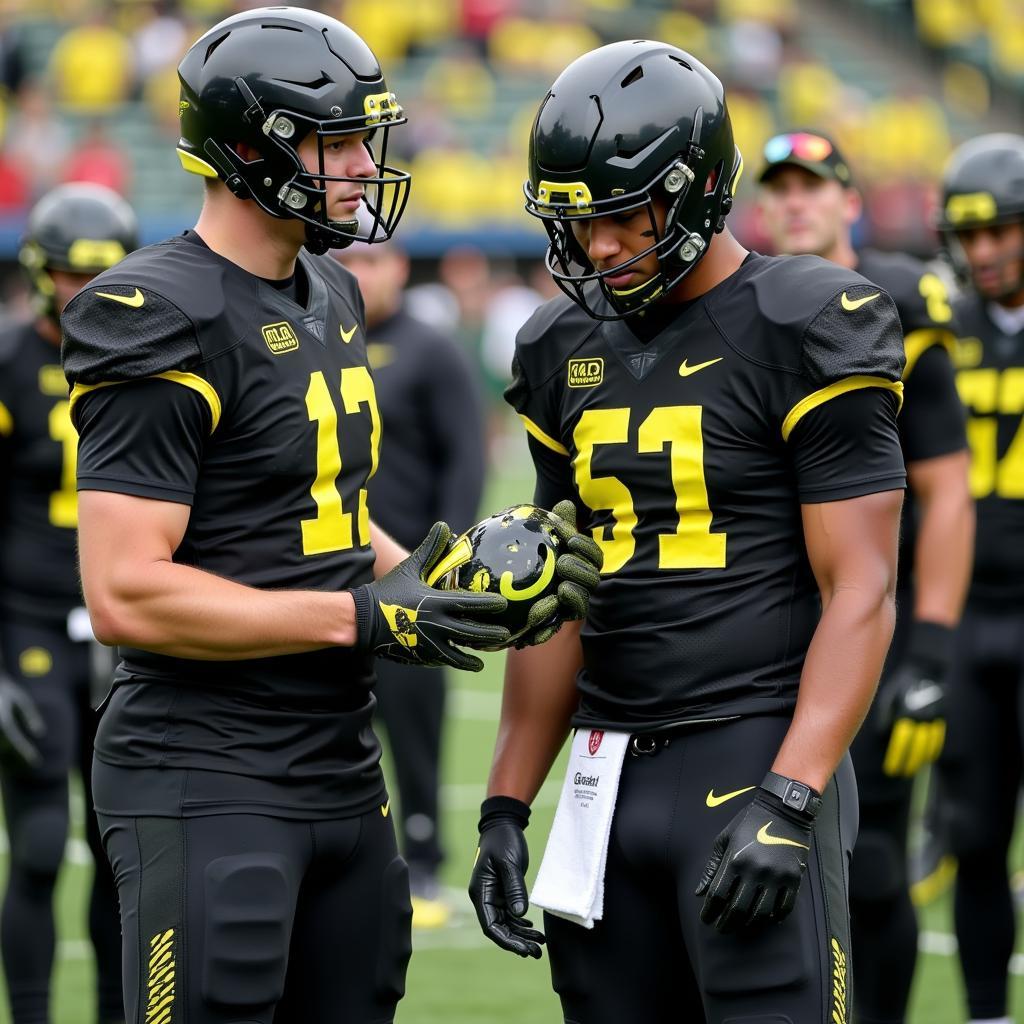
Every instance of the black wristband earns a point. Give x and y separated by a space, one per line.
794 795
931 643
362 600
496 808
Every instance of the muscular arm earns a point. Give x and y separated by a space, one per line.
852 547
944 548
138 597
538 701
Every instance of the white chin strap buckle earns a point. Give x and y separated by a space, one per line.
693 248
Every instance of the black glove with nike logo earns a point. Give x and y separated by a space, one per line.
912 702
578 569
759 858
402 618
497 887
21 725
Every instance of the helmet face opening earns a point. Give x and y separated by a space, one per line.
634 125
244 83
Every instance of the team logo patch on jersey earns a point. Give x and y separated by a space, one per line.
280 337
585 373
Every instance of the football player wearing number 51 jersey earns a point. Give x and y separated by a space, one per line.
726 424
228 428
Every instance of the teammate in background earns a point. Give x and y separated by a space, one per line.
808 204
726 423
46 719
228 427
431 467
982 226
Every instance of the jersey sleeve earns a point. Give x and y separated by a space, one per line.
933 421
840 424
143 438
116 332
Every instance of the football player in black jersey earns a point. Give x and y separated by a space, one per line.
46 722
808 204
228 426
982 224
726 423
432 467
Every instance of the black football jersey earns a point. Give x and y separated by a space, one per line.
433 446
195 382
932 422
38 501
689 451
990 378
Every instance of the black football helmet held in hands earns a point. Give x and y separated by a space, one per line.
269 77
626 127
80 228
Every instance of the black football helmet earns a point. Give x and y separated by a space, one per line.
269 77
622 127
983 184
81 228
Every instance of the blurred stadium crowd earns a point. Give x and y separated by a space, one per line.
88 92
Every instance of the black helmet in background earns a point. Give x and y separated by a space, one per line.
79 228
982 185
622 127
269 77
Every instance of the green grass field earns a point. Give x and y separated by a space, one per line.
456 977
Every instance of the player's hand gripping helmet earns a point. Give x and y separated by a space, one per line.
623 127
269 77
983 184
80 228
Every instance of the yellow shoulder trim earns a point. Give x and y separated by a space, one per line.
6 421
188 380
834 390
916 343
545 439
195 165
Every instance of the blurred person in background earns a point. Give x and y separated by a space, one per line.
431 467
808 204
981 221
37 138
46 719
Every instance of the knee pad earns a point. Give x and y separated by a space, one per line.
248 919
396 934
879 871
37 840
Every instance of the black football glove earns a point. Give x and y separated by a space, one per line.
21 725
401 618
497 887
579 570
913 701
757 864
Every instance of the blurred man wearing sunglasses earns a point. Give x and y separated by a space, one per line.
808 205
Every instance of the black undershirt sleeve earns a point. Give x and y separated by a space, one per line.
847 447
143 438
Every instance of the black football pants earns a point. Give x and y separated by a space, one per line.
410 701
980 776
250 919
882 916
651 960
55 671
